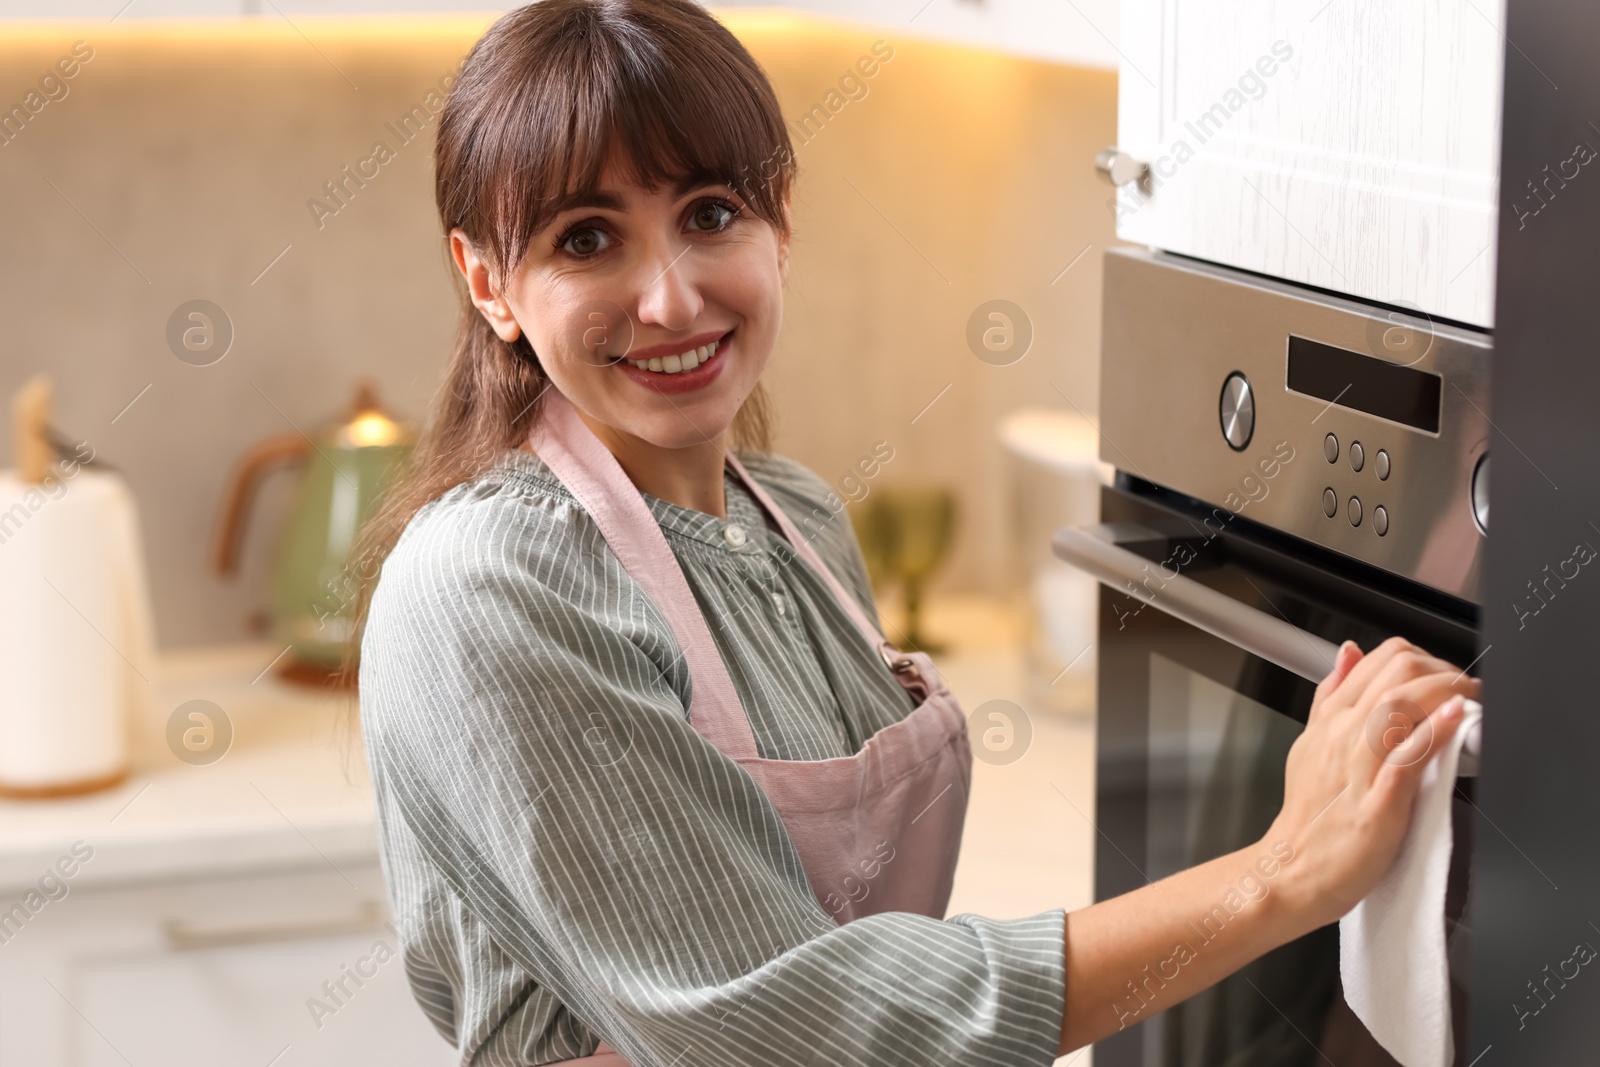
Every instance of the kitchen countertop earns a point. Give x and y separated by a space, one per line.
290 791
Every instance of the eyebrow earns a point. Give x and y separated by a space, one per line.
582 198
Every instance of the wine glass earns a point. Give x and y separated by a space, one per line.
918 524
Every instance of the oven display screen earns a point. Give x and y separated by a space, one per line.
1389 391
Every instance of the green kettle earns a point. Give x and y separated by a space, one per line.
314 580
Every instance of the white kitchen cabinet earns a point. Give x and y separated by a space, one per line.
1351 145
198 909
221 970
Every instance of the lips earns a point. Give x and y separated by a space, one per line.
680 372
678 362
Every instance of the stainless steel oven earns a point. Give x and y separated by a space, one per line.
1294 469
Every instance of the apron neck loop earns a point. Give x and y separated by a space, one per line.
593 476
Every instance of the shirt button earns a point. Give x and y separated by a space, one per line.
733 533
777 602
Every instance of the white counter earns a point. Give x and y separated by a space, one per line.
291 791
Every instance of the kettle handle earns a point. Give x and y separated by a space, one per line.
241 490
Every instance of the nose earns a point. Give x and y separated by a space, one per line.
668 295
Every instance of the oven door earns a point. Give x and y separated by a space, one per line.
1205 679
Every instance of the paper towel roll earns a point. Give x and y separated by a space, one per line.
1393 960
76 636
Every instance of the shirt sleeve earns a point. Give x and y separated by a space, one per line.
541 754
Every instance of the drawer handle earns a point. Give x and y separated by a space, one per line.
183 936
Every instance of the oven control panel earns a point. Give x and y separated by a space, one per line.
1354 426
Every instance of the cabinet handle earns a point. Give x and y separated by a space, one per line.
1119 168
183 936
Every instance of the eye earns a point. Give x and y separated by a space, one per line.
713 216
582 240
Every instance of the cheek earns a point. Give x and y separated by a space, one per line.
572 321
748 288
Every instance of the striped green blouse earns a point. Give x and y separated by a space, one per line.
567 860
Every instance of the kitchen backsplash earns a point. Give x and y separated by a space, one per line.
282 173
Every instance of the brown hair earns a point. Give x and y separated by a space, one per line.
541 103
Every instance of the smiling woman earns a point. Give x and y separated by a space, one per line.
650 782
616 704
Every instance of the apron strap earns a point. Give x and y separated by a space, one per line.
592 474
802 545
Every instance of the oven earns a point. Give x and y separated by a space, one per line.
1294 469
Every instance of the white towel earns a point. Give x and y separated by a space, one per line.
1392 956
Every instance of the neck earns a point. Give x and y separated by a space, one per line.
690 477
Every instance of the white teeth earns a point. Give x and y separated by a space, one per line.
679 363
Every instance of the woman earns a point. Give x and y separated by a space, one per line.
652 788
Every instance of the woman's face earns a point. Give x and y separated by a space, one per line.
627 276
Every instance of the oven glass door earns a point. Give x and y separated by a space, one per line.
1193 732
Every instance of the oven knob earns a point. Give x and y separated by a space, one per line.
1238 411
1480 493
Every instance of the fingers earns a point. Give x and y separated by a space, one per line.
1353 673
1348 656
1369 665
1403 669
1388 692
1398 781
1399 726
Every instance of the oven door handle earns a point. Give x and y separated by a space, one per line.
1098 551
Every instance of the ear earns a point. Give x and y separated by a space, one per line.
783 239
482 288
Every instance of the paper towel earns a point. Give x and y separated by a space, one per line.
1392 953
76 635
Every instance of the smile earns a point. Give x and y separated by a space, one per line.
680 372
679 362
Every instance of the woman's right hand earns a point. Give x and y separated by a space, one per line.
1352 775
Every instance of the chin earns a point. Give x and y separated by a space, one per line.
682 428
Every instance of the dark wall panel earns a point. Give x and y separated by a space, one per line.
1536 911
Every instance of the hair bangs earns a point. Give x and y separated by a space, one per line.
654 101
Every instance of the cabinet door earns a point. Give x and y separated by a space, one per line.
1351 145
281 968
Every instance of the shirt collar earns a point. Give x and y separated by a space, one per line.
743 512
675 519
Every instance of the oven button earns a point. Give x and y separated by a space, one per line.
1380 519
1330 448
1380 465
1358 456
1355 511
1238 411
1330 503
1480 493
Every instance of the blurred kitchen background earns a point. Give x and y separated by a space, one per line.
179 166
181 163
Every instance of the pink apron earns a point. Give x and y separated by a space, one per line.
877 831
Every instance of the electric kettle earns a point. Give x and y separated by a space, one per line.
314 580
